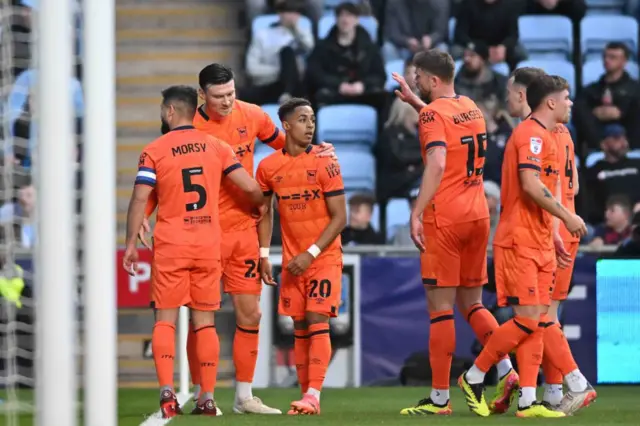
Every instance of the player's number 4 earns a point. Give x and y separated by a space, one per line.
189 186
470 141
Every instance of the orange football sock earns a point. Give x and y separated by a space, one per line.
192 356
208 351
163 345
319 354
482 322
529 356
552 375
504 339
442 345
301 356
557 350
245 352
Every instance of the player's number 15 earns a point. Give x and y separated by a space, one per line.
470 141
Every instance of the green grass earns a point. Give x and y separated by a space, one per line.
372 406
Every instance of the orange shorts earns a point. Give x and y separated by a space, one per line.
240 254
318 290
456 255
524 275
185 282
563 276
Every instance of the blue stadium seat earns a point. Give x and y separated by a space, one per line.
391 67
358 169
560 67
594 157
596 31
369 23
452 29
501 67
348 124
546 36
398 212
601 7
593 70
331 4
264 21
375 214
262 152
458 65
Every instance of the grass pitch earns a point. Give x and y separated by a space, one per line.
371 406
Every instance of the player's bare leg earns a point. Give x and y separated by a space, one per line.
317 363
207 348
483 323
442 345
163 343
245 354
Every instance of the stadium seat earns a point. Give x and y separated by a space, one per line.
358 169
501 67
546 36
261 152
398 211
594 157
348 124
596 31
369 23
458 65
601 7
264 21
375 214
391 67
452 29
560 67
593 70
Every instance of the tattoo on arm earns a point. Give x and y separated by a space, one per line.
536 174
433 150
546 192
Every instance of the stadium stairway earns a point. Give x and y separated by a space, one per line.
160 43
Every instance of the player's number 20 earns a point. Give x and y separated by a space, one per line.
189 186
470 141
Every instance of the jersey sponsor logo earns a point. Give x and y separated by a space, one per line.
427 117
311 176
241 150
188 148
143 158
197 220
548 171
534 159
242 132
333 170
535 145
305 195
278 179
474 114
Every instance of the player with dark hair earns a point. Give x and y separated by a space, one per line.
524 254
556 347
452 213
239 124
185 167
310 196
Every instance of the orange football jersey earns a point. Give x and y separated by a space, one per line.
240 130
301 185
522 222
566 160
185 167
458 125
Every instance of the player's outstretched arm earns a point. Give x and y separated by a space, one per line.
431 178
540 194
243 180
135 217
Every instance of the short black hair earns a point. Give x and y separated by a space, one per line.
437 63
187 96
360 199
290 106
618 45
619 200
348 7
525 75
214 74
543 86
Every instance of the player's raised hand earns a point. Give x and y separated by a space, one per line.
143 230
405 94
563 257
325 149
130 260
299 264
266 271
417 232
575 225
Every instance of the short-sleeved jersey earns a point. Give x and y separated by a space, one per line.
301 185
240 130
457 124
566 161
185 167
522 222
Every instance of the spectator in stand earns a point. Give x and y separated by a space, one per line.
312 8
402 235
492 193
572 9
21 216
476 79
617 225
615 174
347 66
414 25
615 98
276 57
631 246
359 230
494 23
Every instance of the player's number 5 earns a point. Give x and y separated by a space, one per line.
470 141
189 186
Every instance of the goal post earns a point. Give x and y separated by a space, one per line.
99 214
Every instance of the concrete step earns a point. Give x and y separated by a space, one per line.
156 64
149 129
156 35
127 156
178 15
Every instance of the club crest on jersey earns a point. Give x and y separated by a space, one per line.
311 176
242 131
535 145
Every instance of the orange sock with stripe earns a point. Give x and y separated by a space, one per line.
442 345
557 349
208 351
245 352
301 356
192 356
484 324
163 345
529 356
319 356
